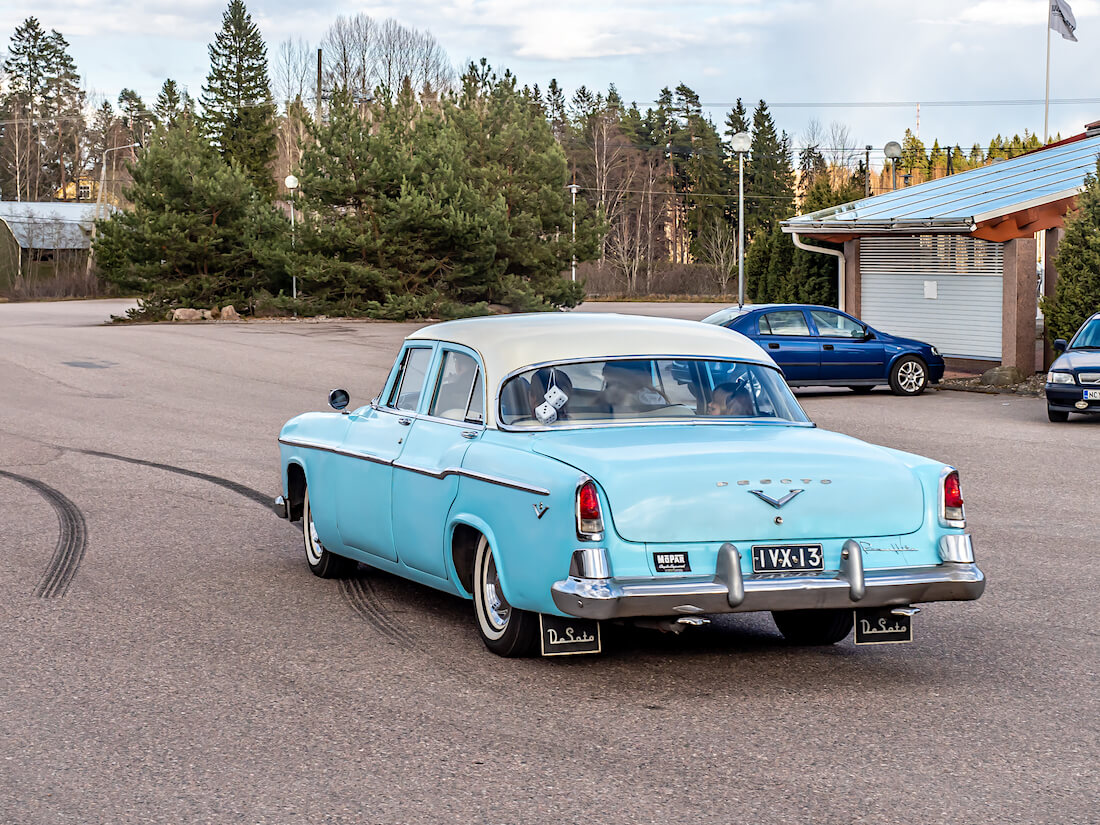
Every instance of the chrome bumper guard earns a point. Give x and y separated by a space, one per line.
281 507
730 591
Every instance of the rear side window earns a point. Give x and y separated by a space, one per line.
459 382
835 325
784 322
406 391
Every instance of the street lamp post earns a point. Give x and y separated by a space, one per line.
892 150
291 183
741 143
573 188
99 194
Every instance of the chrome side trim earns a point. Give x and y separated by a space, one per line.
312 445
449 471
957 548
473 474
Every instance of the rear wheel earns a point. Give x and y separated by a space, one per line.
908 376
1057 415
324 563
813 627
506 630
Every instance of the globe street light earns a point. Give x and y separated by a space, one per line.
291 183
741 143
892 150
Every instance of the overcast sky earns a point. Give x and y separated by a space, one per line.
785 51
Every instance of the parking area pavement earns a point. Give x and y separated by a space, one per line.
168 657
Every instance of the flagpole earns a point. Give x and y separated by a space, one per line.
1046 100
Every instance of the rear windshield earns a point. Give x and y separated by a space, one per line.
594 392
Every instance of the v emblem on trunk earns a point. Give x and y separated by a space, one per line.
776 503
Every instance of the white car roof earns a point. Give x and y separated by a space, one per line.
507 343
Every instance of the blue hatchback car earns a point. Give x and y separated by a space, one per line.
1073 383
822 346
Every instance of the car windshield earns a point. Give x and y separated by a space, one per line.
1088 337
633 389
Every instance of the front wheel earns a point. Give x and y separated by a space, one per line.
813 627
1057 415
324 563
506 630
909 376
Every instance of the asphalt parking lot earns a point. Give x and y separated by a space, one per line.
167 656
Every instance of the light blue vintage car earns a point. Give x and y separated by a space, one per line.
562 470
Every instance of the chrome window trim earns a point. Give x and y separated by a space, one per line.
399 378
640 422
944 520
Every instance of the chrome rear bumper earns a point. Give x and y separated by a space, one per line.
729 591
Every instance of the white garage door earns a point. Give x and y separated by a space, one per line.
943 289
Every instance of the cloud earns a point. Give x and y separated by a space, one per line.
1019 12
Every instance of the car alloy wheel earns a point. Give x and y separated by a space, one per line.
909 376
506 630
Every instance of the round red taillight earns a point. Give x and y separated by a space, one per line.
952 492
588 503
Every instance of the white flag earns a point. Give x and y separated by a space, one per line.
1062 20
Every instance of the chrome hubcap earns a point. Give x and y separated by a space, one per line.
911 376
497 608
313 543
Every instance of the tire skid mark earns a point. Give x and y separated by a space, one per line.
358 593
236 487
363 599
72 539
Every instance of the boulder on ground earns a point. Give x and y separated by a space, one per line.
186 314
229 313
1002 377
206 315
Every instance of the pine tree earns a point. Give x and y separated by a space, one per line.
136 116
1077 293
197 234
172 104
236 100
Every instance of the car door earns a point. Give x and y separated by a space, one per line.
375 438
786 335
846 351
425 481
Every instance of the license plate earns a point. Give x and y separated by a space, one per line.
787 558
1092 395
881 626
563 636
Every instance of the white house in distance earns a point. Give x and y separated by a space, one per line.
952 261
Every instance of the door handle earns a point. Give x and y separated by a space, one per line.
469 434
405 421
773 346
827 346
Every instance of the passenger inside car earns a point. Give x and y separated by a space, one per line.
731 399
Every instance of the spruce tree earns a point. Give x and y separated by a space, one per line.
172 104
197 234
769 188
1077 293
236 100
135 116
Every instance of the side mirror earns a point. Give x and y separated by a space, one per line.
1060 345
339 399
867 335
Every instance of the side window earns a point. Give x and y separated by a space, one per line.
405 394
784 322
835 325
458 389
